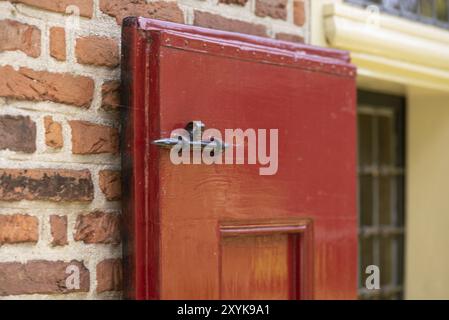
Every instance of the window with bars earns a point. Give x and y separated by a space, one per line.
381 174
435 12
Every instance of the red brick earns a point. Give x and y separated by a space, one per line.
45 184
298 12
110 92
209 20
58 230
110 184
17 133
60 6
40 277
109 275
18 228
20 36
57 43
53 133
98 227
289 37
276 9
28 84
161 10
91 138
97 51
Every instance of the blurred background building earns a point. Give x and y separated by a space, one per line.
59 128
401 50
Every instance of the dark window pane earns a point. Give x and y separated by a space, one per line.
410 6
365 138
366 254
366 200
399 206
401 259
391 4
386 264
385 132
398 296
442 10
427 8
385 200
399 141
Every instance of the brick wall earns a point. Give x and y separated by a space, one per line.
59 132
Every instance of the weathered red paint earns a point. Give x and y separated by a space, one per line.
186 225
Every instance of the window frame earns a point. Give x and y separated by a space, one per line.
384 105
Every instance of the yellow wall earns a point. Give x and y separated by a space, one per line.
427 250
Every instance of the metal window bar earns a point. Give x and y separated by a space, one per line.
375 233
416 10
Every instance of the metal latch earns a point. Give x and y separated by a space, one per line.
194 140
